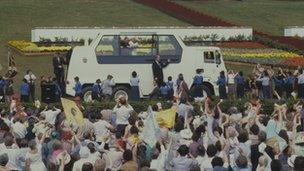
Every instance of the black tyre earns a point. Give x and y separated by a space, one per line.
207 91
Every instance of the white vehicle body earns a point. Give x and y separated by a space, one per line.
106 55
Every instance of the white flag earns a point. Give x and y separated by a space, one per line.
151 131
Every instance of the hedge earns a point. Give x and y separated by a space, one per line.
267 105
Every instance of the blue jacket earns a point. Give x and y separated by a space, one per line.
278 82
290 80
198 80
77 88
164 90
96 89
25 89
239 79
221 81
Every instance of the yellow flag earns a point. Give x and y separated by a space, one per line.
72 112
166 118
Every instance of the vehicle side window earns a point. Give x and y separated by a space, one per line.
137 45
107 46
168 45
209 57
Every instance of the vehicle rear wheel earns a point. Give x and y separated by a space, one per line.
87 94
206 91
121 91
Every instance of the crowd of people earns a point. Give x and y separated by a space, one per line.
203 139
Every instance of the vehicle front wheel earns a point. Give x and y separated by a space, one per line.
121 91
87 94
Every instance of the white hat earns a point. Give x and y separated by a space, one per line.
186 134
84 152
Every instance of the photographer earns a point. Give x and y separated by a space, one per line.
123 111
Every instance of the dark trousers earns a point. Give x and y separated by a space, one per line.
32 92
240 90
222 92
121 128
266 92
198 91
279 89
289 89
59 73
25 98
135 93
301 91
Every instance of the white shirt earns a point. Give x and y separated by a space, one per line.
50 115
78 164
30 78
159 163
122 114
101 127
230 78
134 81
301 79
19 129
13 155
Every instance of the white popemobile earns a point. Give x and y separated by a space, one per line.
120 53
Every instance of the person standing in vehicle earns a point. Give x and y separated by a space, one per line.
58 68
134 82
107 87
157 68
30 78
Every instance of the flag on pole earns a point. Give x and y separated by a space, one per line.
72 112
166 118
151 131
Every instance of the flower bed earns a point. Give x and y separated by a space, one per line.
241 45
263 56
29 47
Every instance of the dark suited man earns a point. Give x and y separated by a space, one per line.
58 63
157 68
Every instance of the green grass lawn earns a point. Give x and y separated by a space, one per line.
18 17
269 16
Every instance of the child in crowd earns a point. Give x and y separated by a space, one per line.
96 90
164 91
107 87
289 84
240 85
231 84
170 84
134 82
77 88
25 91
198 80
221 82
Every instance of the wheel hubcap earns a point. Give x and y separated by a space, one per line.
121 93
87 97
